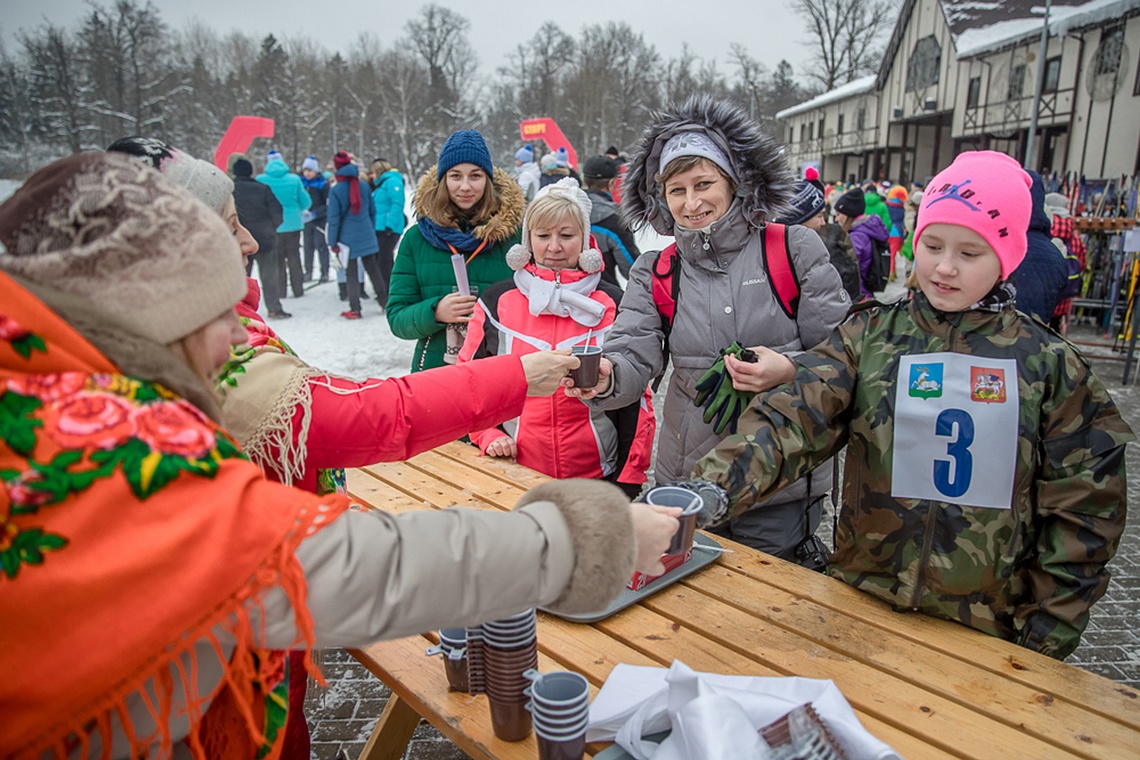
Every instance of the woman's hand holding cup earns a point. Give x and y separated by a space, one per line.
653 528
605 371
454 308
545 370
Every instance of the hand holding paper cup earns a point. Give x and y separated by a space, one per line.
589 358
690 504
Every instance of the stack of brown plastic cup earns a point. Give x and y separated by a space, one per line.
475 659
510 648
453 646
560 707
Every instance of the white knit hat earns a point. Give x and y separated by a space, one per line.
205 181
590 259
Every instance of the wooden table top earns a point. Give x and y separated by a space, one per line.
929 688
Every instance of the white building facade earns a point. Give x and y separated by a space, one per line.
960 75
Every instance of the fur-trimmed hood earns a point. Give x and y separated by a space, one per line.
766 182
499 227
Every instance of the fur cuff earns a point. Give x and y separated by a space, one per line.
597 515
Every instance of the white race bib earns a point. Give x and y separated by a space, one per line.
956 423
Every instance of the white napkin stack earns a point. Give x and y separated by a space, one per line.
713 715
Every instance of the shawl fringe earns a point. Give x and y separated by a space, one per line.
210 737
272 445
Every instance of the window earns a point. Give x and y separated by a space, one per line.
1052 74
791 134
1109 50
819 132
803 132
861 118
839 126
922 69
811 130
974 92
1016 82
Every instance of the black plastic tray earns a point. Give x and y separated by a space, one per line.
701 558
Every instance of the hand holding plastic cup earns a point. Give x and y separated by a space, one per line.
690 504
589 360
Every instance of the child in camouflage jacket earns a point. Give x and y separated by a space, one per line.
984 478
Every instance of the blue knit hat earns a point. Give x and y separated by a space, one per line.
465 147
563 156
525 154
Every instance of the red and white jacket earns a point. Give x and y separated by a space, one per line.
559 435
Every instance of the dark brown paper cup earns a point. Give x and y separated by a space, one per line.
590 358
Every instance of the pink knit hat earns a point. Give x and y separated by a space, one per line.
987 192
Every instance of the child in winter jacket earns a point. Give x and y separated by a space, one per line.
985 465
557 300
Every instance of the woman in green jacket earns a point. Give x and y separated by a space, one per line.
463 206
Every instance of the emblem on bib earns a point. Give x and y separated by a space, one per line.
988 385
926 380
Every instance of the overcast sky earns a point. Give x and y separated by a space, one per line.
768 29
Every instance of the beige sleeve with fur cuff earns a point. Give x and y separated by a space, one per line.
601 528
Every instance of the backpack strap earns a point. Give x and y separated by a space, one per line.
667 286
778 265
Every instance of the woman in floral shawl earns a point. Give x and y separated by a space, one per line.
143 559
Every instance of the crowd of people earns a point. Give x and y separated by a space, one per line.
174 472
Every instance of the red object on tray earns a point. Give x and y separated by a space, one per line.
671 562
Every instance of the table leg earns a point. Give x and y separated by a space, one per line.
393 731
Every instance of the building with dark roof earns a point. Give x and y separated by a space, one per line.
960 75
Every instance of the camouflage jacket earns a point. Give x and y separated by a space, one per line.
1028 573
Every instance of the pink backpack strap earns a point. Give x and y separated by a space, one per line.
778 264
666 279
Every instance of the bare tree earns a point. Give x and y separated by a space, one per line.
845 37
56 74
752 74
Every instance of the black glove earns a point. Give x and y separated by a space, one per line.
714 500
722 402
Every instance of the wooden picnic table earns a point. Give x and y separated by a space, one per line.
929 688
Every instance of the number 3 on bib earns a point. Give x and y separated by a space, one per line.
953 478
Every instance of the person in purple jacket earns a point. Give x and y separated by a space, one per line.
863 229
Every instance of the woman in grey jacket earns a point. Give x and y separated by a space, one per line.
707 174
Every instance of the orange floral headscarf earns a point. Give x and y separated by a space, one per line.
131 527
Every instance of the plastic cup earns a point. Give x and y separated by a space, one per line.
561 749
509 720
590 359
690 504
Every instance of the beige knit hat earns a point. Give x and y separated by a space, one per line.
113 230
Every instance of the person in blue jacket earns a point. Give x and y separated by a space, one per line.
352 222
315 246
388 196
294 199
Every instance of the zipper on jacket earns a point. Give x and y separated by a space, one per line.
924 556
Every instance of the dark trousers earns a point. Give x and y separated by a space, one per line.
387 240
315 244
289 254
371 265
268 272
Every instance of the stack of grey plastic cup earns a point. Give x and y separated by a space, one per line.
453 646
560 708
510 648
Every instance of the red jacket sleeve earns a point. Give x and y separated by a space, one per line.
359 423
474 350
